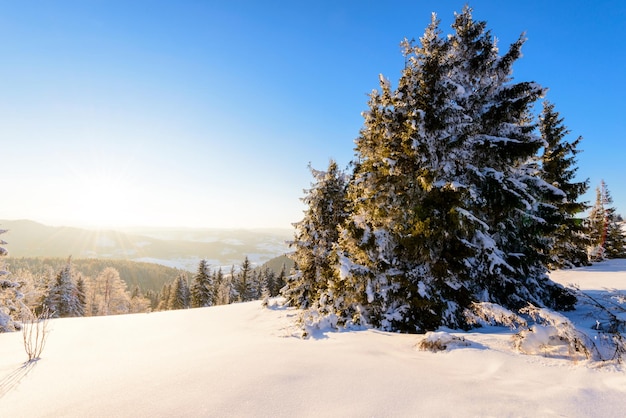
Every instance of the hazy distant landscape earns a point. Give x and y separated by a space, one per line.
179 248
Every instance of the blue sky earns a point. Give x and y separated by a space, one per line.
206 113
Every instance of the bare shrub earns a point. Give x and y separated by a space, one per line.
34 332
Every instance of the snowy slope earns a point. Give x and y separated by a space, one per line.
244 360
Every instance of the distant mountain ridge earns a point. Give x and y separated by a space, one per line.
180 248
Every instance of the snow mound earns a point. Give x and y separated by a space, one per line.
440 341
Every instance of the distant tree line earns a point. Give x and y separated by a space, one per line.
69 292
147 276
210 287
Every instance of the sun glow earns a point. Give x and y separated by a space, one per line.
106 196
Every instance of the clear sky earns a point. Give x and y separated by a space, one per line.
206 113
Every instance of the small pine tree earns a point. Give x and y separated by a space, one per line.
558 164
180 294
316 238
63 299
164 299
153 298
279 283
270 281
265 296
9 295
615 245
259 282
81 294
223 288
233 295
243 282
608 239
202 287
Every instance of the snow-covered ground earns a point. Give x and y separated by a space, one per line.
244 360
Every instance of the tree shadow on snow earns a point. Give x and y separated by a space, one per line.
14 378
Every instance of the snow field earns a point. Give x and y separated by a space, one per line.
244 360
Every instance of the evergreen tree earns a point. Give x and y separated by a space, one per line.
233 295
63 299
153 298
9 295
506 192
316 238
608 239
202 288
265 296
222 286
400 211
269 278
243 282
257 283
81 294
164 301
279 282
3 251
445 200
558 169
615 244
180 294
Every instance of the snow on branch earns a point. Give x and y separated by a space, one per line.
486 313
552 335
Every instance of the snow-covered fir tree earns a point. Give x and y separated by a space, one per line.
179 294
154 298
243 282
81 294
608 239
269 279
9 295
233 294
223 287
445 199
259 284
63 298
615 244
164 299
280 281
316 239
558 165
202 288
506 192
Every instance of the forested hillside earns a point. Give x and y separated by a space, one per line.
148 276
